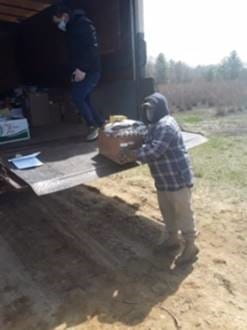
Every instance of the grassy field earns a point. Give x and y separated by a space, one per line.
221 163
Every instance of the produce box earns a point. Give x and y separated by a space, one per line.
112 142
14 130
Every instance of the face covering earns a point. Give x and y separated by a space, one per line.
62 25
148 112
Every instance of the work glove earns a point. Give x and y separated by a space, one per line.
128 155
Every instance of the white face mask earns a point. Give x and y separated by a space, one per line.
62 25
150 114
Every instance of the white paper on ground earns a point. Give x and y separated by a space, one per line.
28 161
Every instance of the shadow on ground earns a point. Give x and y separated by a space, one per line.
77 256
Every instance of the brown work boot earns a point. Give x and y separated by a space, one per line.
189 254
169 245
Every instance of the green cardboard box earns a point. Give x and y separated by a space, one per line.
14 130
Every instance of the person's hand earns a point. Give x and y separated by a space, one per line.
78 75
128 155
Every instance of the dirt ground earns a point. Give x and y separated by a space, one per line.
82 258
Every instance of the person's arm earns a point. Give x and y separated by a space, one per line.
79 67
155 149
86 42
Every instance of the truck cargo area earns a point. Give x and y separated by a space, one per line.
34 55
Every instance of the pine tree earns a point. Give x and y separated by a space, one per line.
231 67
150 68
161 69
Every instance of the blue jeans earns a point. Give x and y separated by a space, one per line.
81 96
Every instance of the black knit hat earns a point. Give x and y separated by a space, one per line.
62 7
67 6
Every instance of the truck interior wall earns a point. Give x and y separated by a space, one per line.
9 73
41 52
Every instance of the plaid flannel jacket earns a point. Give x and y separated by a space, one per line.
165 153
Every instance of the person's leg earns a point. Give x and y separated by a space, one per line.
81 96
184 214
98 118
168 214
186 223
79 92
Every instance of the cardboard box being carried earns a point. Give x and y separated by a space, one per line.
111 142
14 130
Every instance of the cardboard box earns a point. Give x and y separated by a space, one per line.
39 109
55 112
110 145
14 130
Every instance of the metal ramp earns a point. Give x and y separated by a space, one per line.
71 163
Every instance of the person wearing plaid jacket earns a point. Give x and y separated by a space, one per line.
165 153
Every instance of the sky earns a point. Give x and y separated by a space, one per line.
196 31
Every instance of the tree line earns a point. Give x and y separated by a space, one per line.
172 72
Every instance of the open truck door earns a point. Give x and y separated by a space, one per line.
34 53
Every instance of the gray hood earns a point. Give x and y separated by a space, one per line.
160 104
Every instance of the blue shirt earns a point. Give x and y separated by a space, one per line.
165 153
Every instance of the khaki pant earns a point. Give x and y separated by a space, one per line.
177 213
